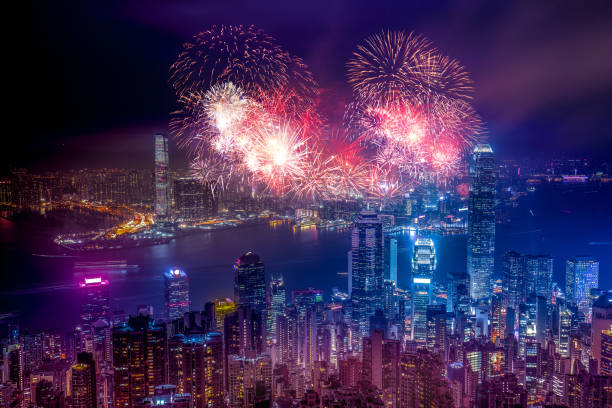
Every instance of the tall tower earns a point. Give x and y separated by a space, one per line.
391 259
481 222
162 189
367 270
421 298
139 360
95 303
539 272
84 393
250 281
581 275
176 291
602 320
277 299
424 258
513 278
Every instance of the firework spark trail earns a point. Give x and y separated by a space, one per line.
381 68
278 155
248 114
242 55
245 56
411 109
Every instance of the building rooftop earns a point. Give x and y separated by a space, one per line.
175 273
249 258
483 148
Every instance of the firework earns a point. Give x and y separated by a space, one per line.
246 105
411 111
213 171
227 110
395 66
315 181
242 55
248 114
382 66
384 185
245 56
346 167
278 155
215 120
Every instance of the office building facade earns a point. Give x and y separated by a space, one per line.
481 222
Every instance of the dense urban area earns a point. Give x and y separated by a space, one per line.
480 337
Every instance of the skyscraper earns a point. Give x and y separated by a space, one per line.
564 328
380 364
581 275
95 301
513 280
605 364
367 270
602 320
176 292
391 259
481 222
421 381
243 332
277 299
139 360
424 259
421 298
196 367
538 275
249 381
223 307
83 385
250 281
162 180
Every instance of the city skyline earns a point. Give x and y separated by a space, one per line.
313 205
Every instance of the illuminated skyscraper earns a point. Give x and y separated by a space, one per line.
391 259
565 327
421 298
139 360
581 275
605 365
602 320
513 280
195 365
367 270
249 381
223 307
95 303
538 275
424 258
250 281
421 381
481 222
277 299
438 328
84 391
176 293
162 180
243 332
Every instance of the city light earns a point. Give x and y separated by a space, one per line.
325 210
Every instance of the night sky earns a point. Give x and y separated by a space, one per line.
87 81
